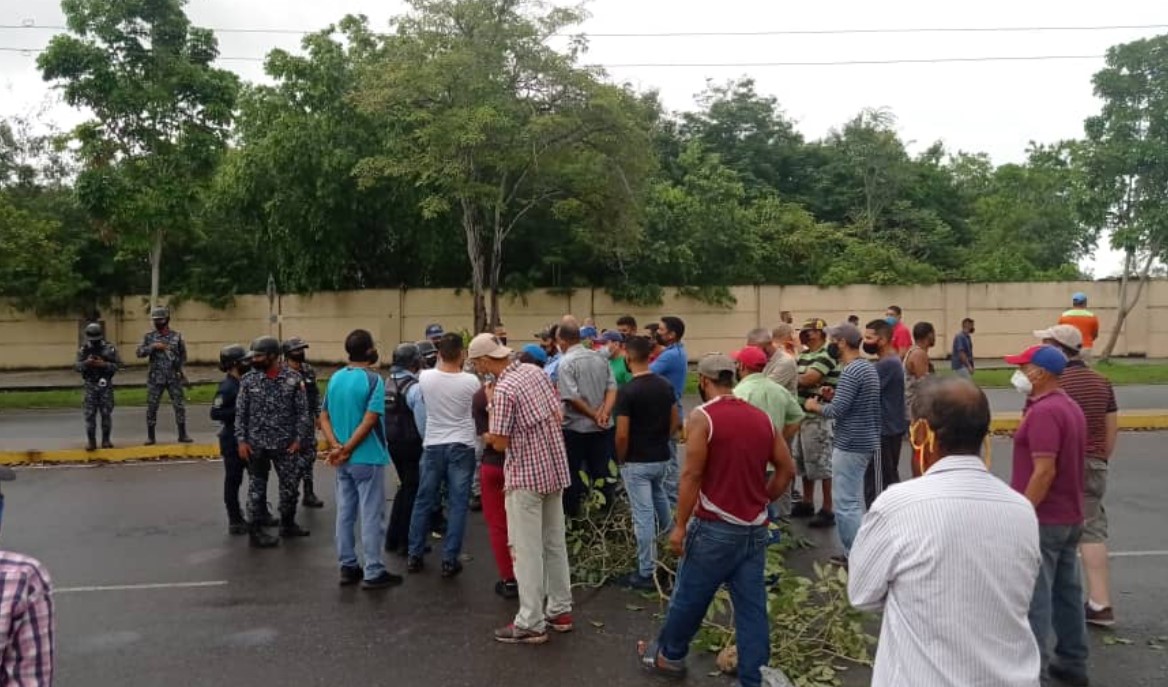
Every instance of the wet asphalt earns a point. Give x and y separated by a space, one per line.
278 617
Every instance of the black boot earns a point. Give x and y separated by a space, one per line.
236 525
105 437
183 437
269 520
259 539
91 440
150 440
289 529
310 499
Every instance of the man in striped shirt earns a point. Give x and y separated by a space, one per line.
855 406
812 446
951 558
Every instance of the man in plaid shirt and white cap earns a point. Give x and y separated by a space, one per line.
524 421
26 614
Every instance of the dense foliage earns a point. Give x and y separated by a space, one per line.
459 149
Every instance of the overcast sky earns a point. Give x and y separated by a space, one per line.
992 107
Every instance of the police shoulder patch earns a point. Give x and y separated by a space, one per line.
293 381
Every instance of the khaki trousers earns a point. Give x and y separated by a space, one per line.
535 528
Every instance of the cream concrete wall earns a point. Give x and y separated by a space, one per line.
1006 314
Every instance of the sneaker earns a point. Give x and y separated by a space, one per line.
639 582
350 575
414 564
475 504
451 568
292 531
517 635
382 581
508 589
561 623
822 520
1067 677
802 510
1103 618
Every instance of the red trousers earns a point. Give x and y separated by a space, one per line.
496 515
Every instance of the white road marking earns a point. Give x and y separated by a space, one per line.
140 587
1136 554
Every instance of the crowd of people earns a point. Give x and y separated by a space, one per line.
527 435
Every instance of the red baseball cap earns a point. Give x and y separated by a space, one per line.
751 357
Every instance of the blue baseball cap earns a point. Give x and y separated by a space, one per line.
1078 297
588 333
1046 357
535 352
612 336
434 331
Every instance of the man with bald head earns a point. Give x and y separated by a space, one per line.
951 557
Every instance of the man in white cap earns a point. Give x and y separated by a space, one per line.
1096 397
523 411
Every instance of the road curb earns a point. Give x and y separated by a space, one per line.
1132 420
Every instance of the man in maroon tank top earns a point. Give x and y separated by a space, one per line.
721 528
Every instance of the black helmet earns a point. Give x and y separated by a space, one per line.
232 356
160 313
407 356
429 353
266 345
293 344
93 331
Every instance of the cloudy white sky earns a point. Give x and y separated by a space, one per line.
994 107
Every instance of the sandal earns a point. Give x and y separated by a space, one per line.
653 661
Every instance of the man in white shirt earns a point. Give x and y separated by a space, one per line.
448 454
951 558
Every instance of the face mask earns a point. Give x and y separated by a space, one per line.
833 350
871 348
972 330
1022 383
891 320
503 340
260 364
660 339
161 324
605 351
297 356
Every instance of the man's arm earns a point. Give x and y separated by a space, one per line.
622 438
1041 479
789 431
417 406
501 419
326 428
784 468
1110 434
811 379
242 411
113 361
146 347
696 449
31 633
872 562
841 403
570 390
605 413
180 352
917 364
82 358
674 421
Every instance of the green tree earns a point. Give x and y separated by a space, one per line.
1126 164
495 125
161 115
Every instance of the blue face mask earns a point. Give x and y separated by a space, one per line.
890 320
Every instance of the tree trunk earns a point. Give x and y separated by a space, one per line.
474 251
155 268
496 272
1125 308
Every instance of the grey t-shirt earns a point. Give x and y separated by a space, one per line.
584 375
893 420
448 397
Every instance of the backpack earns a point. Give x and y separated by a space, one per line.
400 427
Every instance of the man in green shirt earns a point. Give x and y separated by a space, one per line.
812 448
614 347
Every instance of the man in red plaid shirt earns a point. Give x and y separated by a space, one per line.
26 614
524 421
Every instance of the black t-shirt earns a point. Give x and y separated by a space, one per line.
648 402
478 409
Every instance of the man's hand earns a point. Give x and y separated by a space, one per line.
160 346
602 418
294 447
244 451
827 393
812 406
677 540
339 455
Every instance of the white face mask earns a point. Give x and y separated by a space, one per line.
1022 383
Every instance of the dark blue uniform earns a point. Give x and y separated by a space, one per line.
272 416
223 411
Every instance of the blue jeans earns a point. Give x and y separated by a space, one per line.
452 464
673 473
361 490
716 554
645 484
1057 605
847 471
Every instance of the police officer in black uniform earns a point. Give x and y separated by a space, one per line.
271 417
429 353
403 436
168 354
294 356
233 360
98 362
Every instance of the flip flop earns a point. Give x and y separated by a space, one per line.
654 662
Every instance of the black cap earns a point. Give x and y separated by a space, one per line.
265 345
295 343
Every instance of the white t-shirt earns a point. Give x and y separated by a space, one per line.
448 397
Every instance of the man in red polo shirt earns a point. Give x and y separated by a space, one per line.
1050 449
725 491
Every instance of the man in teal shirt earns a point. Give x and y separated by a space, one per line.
351 420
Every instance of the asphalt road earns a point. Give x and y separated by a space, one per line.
277 617
58 429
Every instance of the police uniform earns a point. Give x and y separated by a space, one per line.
165 372
223 412
99 388
271 414
308 441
